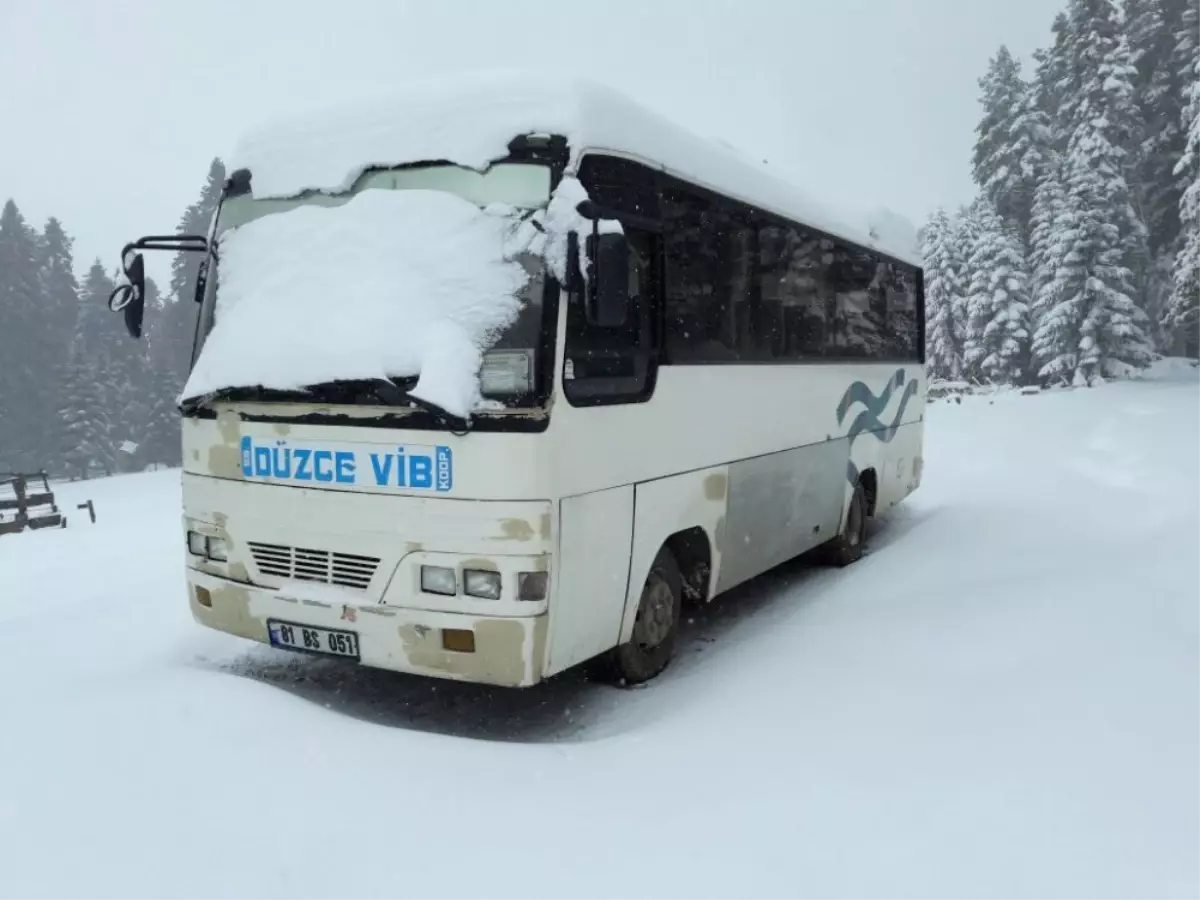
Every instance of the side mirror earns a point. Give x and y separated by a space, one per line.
130 298
607 299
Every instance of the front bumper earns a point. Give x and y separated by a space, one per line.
508 651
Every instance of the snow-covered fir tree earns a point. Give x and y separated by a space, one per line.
60 300
1095 252
104 336
23 384
84 410
1049 203
1011 141
1182 315
997 303
1089 325
1051 81
1159 86
79 435
945 296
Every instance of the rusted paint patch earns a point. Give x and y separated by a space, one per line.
516 530
499 656
547 529
225 458
224 462
230 612
480 563
716 486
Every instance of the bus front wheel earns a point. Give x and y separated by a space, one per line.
656 627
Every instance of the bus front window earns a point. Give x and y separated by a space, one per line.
513 372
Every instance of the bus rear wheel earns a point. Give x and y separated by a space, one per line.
656 627
847 547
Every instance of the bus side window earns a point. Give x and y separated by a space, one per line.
614 365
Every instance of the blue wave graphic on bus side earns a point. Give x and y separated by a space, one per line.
873 406
416 467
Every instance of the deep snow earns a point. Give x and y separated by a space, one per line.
1000 700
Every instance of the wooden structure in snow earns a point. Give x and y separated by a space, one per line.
26 501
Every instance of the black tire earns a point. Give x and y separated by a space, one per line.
656 628
848 546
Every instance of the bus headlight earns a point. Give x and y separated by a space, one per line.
213 548
506 372
438 580
485 585
197 544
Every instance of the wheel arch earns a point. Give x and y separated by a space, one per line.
685 514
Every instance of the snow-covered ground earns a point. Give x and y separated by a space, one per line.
1000 700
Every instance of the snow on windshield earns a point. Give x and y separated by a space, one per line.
390 283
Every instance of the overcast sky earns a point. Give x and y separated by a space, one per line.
111 109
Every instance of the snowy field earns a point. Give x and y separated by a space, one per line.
1000 700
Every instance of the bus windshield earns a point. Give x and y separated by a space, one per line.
512 370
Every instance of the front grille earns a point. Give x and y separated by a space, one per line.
303 564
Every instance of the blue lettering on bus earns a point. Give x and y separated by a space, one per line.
415 467
343 460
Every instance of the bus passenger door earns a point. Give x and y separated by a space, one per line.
591 575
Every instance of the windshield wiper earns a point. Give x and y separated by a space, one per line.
388 392
245 393
351 391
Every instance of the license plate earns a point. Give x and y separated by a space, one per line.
315 640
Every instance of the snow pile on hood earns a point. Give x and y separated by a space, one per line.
391 283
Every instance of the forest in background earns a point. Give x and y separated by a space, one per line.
1080 257
78 396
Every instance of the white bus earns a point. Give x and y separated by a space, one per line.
697 376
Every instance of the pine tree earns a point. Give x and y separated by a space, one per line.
79 407
1049 201
944 297
1182 316
1012 139
997 302
24 420
1090 326
1052 80
101 336
1153 28
1097 257
60 301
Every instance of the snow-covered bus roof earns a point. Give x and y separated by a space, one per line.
470 120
